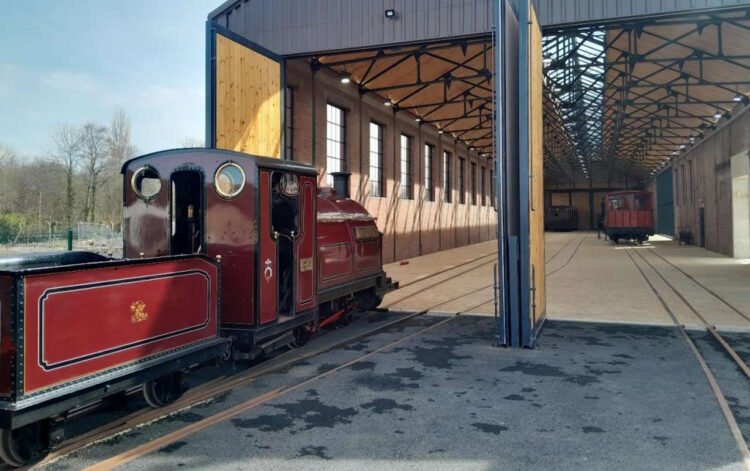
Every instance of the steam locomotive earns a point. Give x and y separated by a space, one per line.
224 254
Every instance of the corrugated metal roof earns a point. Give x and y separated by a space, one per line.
556 12
305 26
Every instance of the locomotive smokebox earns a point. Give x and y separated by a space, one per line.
341 183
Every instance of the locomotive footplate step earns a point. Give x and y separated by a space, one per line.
592 396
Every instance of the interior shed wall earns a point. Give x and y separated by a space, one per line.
411 227
702 178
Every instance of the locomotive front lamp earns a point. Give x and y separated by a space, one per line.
391 14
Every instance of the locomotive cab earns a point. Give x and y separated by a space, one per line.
255 215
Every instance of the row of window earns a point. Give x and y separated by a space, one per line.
335 157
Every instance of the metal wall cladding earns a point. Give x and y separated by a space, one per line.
290 27
307 26
558 12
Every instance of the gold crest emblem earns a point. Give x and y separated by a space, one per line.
138 312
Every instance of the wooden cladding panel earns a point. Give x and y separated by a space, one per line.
536 171
248 100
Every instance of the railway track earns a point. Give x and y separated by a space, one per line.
182 433
557 252
711 329
205 392
570 258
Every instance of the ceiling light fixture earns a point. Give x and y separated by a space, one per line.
717 115
346 79
387 103
737 98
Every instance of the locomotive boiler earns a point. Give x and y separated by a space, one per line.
224 253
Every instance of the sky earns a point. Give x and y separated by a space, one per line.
76 61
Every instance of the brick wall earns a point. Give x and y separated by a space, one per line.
410 227
702 179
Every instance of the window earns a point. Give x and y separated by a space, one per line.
492 188
146 183
429 188
447 177
335 140
692 181
229 180
376 160
406 176
676 186
684 185
483 176
289 123
461 182
473 185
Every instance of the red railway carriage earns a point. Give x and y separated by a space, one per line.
629 215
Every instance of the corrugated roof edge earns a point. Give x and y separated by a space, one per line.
227 5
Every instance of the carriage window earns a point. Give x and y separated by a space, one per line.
615 203
146 183
229 180
640 202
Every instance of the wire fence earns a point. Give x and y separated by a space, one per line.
90 237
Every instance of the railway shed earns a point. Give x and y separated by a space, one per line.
460 124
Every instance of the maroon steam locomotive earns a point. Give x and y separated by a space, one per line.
223 253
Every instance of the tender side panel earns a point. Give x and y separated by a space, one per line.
248 100
267 261
306 256
85 321
6 337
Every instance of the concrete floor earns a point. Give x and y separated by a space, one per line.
611 386
593 396
589 279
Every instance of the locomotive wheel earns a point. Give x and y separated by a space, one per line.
301 335
161 391
23 446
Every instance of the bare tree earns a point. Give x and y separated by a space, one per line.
94 151
120 147
191 142
68 146
6 153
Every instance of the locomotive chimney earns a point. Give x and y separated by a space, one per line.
341 183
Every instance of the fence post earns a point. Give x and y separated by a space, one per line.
70 240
